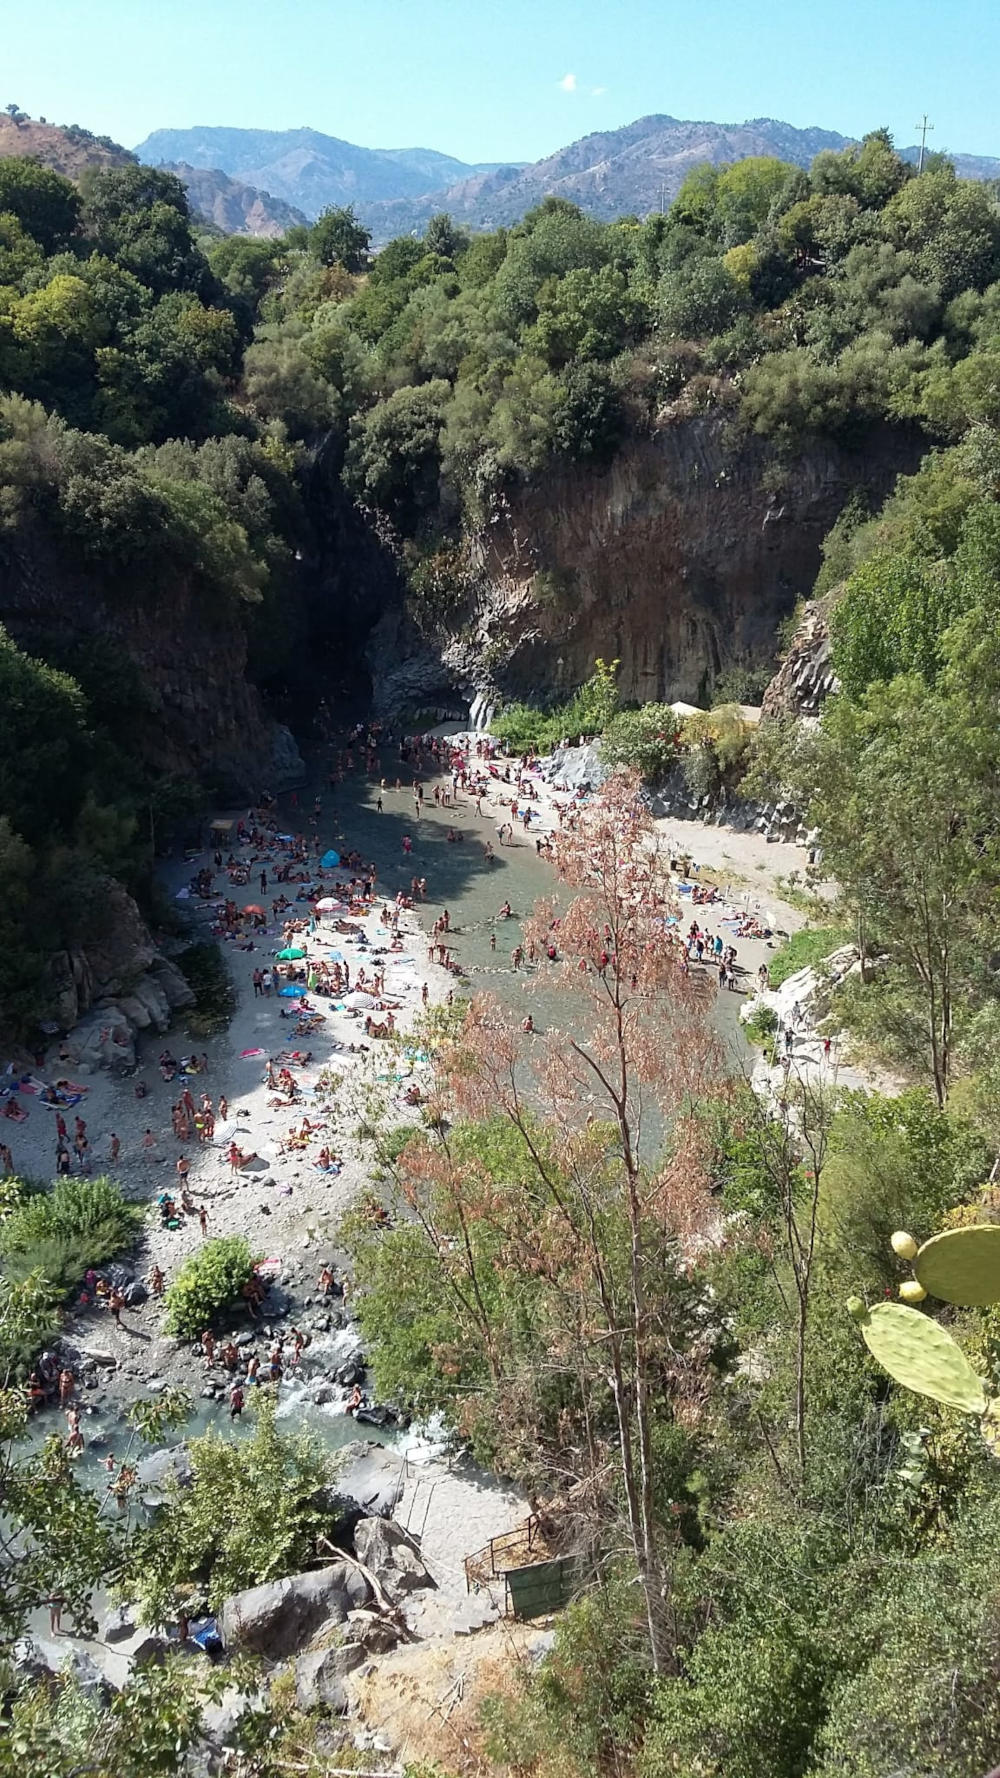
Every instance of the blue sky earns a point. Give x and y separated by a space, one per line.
504 79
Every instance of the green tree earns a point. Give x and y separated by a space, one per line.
443 237
338 238
905 802
45 204
43 745
394 456
139 217
271 1484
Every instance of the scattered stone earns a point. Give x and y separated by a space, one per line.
156 1385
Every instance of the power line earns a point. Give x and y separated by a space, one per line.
923 126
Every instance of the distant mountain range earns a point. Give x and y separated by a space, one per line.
634 169
261 182
308 169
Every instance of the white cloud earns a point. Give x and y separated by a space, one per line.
568 83
597 91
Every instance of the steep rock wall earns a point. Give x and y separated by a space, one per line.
203 719
676 560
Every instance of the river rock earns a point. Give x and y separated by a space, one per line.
392 1556
119 1624
75 1664
149 1652
153 1473
375 1633
104 1039
319 1676
281 1616
92 1355
221 1720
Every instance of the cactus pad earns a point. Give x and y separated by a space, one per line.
922 1356
962 1265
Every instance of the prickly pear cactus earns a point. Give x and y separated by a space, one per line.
920 1354
962 1265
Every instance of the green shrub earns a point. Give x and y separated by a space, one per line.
761 1025
645 739
204 969
208 1281
60 1233
523 729
807 949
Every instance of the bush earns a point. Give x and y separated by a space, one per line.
761 1025
522 729
807 949
272 1489
204 969
645 739
62 1232
208 1281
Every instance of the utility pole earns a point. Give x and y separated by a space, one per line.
923 126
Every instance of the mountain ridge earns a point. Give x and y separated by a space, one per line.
635 168
305 167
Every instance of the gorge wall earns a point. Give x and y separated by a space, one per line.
680 560
183 657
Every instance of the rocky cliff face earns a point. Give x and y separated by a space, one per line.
204 719
676 560
806 675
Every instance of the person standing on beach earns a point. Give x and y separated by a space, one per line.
203 1221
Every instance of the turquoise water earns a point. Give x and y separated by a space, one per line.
459 877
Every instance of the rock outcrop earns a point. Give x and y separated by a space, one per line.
676 559
806 675
200 717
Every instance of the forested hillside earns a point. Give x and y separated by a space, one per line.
165 407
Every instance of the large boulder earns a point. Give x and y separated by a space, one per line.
319 1676
280 1617
103 1039
177 990
155 1473
392 1556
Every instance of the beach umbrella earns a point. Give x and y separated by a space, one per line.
290 955
330 859
328 903
360 999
